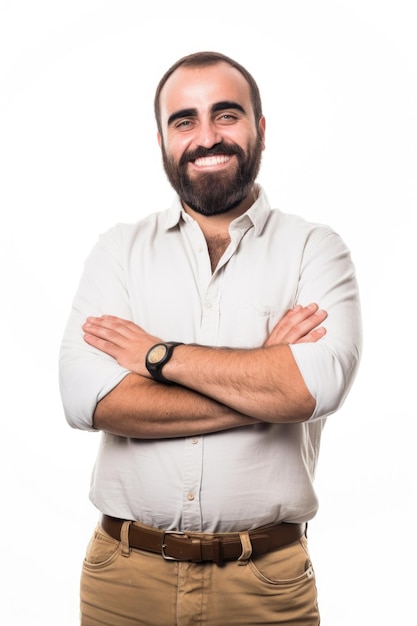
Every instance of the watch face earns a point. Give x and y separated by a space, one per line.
157 353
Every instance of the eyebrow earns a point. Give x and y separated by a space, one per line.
218 106
227 104
182 113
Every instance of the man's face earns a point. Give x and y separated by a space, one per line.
211 147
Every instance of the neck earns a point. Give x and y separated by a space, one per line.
213 225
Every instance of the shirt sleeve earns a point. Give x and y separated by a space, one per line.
328 277
86 375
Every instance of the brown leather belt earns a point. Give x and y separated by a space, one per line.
199 547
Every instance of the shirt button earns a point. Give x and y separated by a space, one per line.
190 496
194 440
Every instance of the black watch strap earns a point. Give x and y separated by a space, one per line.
157 357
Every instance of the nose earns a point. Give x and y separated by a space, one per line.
207 134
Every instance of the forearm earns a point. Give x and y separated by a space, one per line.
142 408
264 383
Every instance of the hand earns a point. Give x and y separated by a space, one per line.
299 325
121 339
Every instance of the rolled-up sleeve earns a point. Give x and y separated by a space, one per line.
328 277
86 375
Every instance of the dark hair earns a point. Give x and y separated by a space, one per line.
202 59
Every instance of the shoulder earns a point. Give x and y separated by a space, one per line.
293 227
123 233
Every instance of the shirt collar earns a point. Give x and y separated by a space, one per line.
256 215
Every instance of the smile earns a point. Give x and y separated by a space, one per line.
209 161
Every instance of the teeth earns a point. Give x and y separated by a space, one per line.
212 160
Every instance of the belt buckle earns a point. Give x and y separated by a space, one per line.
164 545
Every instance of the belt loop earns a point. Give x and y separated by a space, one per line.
246 548
218 552
196 555
124 538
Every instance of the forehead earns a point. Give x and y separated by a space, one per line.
201 87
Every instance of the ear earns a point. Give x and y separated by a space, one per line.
159 139
262 127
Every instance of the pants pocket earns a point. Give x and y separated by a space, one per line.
286 566
102 550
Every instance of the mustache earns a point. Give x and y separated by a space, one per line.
219 148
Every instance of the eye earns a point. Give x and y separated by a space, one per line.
227 118
183 124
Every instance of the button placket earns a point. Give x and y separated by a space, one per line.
193 460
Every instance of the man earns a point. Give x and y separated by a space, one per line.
194 348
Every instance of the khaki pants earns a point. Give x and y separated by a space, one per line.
128 587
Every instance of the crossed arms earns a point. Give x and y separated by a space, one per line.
300 371
213 389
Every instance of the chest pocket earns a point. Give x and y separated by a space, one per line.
250 324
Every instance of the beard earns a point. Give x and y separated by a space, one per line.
212 193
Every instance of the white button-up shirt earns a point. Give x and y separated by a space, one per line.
157 273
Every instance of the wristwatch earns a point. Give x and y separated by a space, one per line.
156 358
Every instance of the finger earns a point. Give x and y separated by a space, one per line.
300 313
303 328
313 336
104 345
296 315
107 324
296 323
107 334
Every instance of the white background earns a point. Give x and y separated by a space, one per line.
78 153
